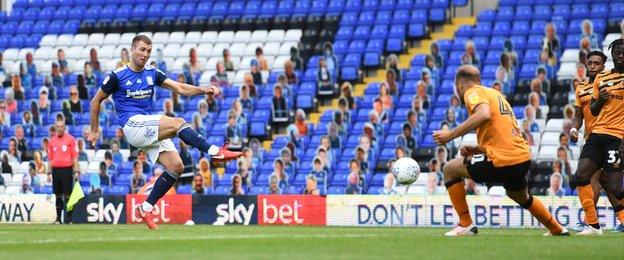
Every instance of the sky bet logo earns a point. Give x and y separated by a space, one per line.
231 214
101 213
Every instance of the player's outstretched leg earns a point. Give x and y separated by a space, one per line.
586 169
538 210
173 167
612 183
170 127
454 171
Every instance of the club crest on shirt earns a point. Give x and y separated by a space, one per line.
473 98
64 148
150 80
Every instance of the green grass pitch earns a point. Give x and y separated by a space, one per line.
284 242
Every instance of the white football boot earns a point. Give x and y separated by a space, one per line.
590 231
463 231
564 232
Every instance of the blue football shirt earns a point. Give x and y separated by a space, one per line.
132 91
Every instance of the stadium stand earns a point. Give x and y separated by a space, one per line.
355 42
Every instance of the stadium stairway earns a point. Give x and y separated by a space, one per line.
447 32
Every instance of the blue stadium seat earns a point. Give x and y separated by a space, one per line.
579 11
47 13
18 41
336 6
119 190
63 13
318 7
394 45
156 10
501 29
184 189
257 190
258 129
124 179
599 11
349 19
349 73
356 46
542 12
403 5
464 31
366 18
419 16
437 15
124 12
353 5
523 13
519 42
384 17
493 57
375 45
520 28
378 32
505 13
421 4
20 4
108 12
31 14
372 59
527 71
25 27
222 190
561 11
16 15
487 15
362 32
440 4
344 33
483 29
417 30
336 190
252 7
339 179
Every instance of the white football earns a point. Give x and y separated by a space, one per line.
406 170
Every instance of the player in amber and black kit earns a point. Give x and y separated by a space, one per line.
604 145
502 154
595 64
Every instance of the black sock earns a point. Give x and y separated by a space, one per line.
161 186
193 138
59 209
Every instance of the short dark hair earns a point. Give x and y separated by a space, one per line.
406 125
616 43
108 155
541 70
137 163
597 53
141 38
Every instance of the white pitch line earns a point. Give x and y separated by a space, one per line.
214 237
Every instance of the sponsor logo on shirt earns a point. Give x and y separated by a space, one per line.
139 94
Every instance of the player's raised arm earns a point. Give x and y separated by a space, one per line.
189 90
599 98
481 115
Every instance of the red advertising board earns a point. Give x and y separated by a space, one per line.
291 210
171 209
